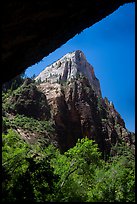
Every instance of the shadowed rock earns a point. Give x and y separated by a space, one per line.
33 29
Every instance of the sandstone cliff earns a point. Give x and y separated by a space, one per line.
65 103
69 67
77 107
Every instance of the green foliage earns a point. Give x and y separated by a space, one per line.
28 123
37 173
114 183
76 169
85 177
27 97
14 164
14 83
26 170
5 95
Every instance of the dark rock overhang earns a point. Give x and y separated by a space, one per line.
33 29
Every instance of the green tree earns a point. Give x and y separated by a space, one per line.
76 169
26 170
115 182
85 177
13 83
38 173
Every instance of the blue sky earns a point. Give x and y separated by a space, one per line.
109 47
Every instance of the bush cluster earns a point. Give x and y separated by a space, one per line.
36 173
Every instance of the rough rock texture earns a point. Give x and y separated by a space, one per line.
77 106
70 67
70 102
33 29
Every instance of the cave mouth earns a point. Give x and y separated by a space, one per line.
33 30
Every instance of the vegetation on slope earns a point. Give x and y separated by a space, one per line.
28 123
27 100
38 173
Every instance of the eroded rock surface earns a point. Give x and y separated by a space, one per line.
70 67
77 107
65 103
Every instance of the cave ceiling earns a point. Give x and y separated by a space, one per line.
31 30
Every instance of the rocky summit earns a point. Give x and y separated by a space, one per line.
70 67
64 103
74 95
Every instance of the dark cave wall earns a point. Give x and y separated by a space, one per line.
33 29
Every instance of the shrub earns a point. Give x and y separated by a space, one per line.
39 174
26 171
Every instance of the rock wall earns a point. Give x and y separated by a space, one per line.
72 105
69 68
77 106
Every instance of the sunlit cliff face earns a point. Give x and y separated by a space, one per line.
70 67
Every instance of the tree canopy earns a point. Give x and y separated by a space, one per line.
37 173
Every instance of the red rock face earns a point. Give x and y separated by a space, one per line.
79 110
71 98
78 113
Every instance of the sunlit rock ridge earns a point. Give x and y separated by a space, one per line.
74 95
66 97
69 67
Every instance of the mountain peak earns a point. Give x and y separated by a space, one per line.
69 67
